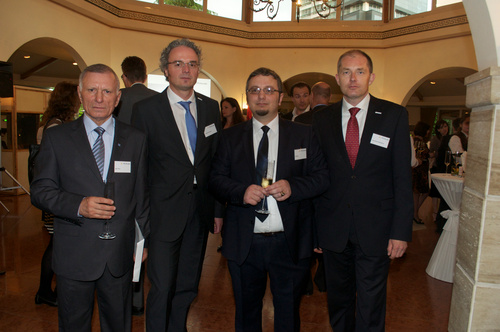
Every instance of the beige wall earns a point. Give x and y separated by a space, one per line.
397 68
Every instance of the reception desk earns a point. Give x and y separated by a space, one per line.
442 263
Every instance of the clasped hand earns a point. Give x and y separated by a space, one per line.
97 208
280 190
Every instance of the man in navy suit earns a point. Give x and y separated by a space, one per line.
364 219
278 244
182 128
70 182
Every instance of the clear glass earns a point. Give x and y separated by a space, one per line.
447 160
354 10
403 8
440 3
267 180
308 12
192 4
109 192
282 9
225 8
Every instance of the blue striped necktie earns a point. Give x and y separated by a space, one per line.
98 150
190 125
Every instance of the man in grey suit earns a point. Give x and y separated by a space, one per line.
182 127
77 161
134 76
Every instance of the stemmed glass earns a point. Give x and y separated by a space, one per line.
447 160
267 179
109 192
457 160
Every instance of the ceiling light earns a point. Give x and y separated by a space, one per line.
432 82
75 64
27 56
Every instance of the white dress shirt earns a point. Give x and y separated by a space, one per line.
180 119
273 222
360 116
294 112
107 137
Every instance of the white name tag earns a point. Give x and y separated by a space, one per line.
300 154
210 130
380 140
123 166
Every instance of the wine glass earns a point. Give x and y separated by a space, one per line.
457 160
447 160
109 192
267 179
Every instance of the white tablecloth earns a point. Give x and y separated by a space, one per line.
442 263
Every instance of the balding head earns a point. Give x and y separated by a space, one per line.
320 94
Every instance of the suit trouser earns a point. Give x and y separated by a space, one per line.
174 269
76 303
356 289
269 255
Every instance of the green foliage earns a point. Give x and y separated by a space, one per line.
184 3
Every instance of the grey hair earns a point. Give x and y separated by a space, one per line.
99 68
176 43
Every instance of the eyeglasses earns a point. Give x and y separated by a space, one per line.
267 90
180 64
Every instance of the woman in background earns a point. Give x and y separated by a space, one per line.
420 173
64 104
441 129
230 112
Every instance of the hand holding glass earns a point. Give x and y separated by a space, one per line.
267 179
109 192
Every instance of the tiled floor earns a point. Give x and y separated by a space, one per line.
416 302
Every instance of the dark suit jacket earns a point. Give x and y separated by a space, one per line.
287 116
375 196
307 117
171 173
65 173
233 170
129 97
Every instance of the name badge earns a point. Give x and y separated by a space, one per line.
210 130
123 166
380 140
300 154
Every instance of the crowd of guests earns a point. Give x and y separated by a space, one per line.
181 167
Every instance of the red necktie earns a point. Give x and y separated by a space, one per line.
352 136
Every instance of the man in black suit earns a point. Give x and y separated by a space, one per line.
134 76
320 97
365 217
278 244
70 182
299 92
182 127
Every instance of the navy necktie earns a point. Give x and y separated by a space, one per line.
261 166
190 125
98 150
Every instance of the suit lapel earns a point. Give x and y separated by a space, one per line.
283 148
338 133
373 117
248 148
82 145
201 115
119 142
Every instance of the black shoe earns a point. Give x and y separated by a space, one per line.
136 311
43 300
420 222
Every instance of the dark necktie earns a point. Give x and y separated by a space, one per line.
352 136
261 166
98 150
190 125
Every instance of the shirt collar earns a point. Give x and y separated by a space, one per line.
90 125
362 105
174 98
273 125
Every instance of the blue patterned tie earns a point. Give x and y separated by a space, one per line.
98 150
190 125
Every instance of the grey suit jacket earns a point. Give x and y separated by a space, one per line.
171 173
65 173
129 97
376 196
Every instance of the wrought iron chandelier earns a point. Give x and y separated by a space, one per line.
323 9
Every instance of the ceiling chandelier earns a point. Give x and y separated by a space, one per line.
323 9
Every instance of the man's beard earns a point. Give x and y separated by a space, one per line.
262 112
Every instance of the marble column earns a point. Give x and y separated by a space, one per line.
476 290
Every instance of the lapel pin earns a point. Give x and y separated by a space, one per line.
378 112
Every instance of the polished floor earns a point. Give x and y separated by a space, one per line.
416 302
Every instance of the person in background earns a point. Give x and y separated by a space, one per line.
77 162
320 97
459 141
230 112
441 129
183 128
134 77
420 173
364 219
299 92
63 107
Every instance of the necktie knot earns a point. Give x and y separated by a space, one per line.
100 131
354 111
265 129
185 104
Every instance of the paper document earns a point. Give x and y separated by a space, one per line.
139 248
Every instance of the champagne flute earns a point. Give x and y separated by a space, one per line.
447 160
458 160
109 192
267 180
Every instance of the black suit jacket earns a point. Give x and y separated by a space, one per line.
171 173
233 170
130 96
65 173
307 117
376 196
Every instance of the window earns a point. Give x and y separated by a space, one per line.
404 8
193 4
282 9
225 8
355 10
440 3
